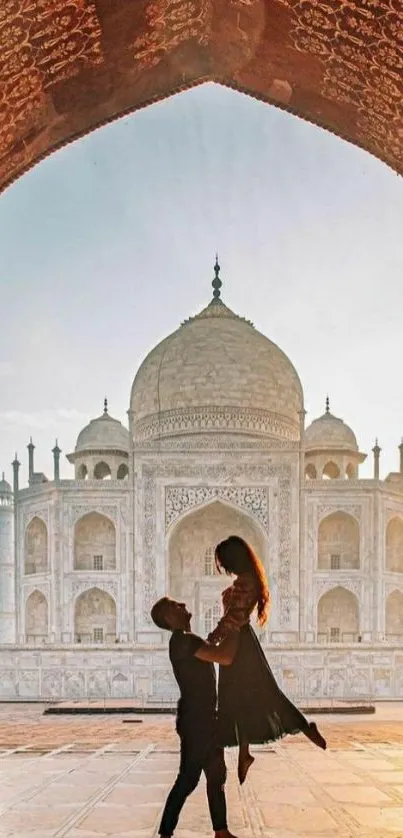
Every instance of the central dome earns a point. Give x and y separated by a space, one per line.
216 373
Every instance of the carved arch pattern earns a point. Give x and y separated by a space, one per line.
181 499
345 55
323 586
324 510
79 587
77 512
41 512
223 475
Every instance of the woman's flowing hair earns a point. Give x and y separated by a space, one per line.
234 555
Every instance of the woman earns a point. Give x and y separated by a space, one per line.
251 707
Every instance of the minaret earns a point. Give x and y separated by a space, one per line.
376 452
16 468
56 451
7 581
31 449
401 458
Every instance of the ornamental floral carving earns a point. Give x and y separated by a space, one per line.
391 587
322 586
81 586
211 442
41 512
209 419
169 23
180 499
42 588
396 512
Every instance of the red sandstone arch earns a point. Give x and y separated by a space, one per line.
78 65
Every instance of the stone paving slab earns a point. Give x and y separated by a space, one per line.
291 792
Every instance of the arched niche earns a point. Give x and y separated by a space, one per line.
351 471
310 472
339 542
82 472
191 549
123 471
95 617
394 616
102 471
36 618
394 545
331 471
338 616
94 543
36 547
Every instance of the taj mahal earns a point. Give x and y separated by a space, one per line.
216 444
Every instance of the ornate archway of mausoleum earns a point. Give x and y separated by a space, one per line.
193 577
66 69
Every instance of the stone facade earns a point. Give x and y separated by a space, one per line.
143 673
82 560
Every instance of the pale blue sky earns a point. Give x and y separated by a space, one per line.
109 244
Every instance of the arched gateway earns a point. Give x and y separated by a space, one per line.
193 577
333 66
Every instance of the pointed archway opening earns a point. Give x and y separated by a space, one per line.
95 617
192 574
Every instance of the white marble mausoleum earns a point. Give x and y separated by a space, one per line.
216 443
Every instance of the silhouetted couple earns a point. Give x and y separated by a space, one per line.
251 707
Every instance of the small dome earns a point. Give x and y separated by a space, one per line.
216 372
5 488
103 434
328 432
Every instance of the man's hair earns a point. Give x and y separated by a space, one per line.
158 613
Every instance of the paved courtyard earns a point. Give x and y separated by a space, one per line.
90 788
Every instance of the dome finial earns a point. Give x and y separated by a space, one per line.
105 406
216 283
327 404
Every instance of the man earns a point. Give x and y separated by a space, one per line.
192 661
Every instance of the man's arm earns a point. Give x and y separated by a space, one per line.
224 653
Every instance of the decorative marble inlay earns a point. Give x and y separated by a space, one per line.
211 419
180 499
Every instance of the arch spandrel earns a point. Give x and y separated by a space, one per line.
336 65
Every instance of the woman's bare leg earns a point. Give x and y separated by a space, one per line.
245 760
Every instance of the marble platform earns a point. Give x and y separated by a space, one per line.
79 791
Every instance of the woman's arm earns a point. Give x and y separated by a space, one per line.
238 609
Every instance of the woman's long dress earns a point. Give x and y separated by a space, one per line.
251 706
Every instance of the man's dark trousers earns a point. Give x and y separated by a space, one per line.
199 752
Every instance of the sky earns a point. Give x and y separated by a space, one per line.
108 245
